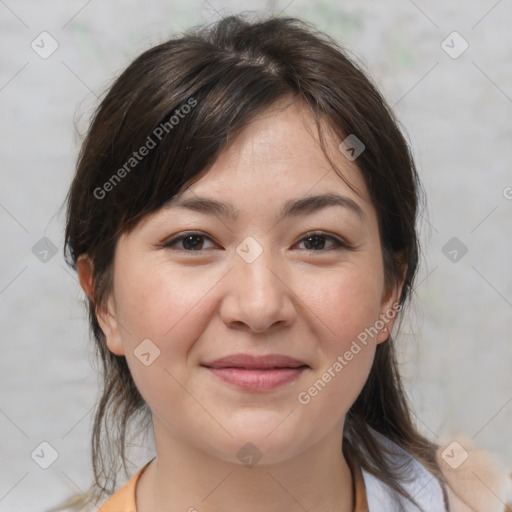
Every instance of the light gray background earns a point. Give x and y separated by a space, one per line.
457 352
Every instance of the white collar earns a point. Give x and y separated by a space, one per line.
421 485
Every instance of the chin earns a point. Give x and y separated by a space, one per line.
262 444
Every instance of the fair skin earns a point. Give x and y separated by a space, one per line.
302 297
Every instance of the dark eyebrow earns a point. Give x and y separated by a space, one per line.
291 208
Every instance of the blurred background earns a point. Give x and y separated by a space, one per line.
444 67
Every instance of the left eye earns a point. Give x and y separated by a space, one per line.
317 242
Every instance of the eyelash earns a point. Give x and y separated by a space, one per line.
338 244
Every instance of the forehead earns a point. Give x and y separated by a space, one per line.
278 156
275 168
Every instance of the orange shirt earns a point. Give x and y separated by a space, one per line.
124 499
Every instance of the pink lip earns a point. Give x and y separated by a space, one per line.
257 380
250 362
257 373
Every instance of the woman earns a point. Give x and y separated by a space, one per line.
242 220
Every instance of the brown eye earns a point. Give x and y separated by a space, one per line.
317 242
191 242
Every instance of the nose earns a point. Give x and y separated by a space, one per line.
257 296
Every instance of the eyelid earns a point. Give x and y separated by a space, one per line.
173 240
339 242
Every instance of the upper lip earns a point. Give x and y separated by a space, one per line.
251 362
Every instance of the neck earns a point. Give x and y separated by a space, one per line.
185 477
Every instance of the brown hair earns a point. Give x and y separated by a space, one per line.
227 73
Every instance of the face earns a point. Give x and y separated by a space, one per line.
273 272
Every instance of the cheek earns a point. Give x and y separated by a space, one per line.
344 308
345 302
157 303
168 308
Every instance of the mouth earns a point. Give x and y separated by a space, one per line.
256 373
253 362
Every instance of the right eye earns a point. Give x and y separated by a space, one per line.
189 242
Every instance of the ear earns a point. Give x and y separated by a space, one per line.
104 313
390 306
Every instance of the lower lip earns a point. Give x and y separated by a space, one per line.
257 380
